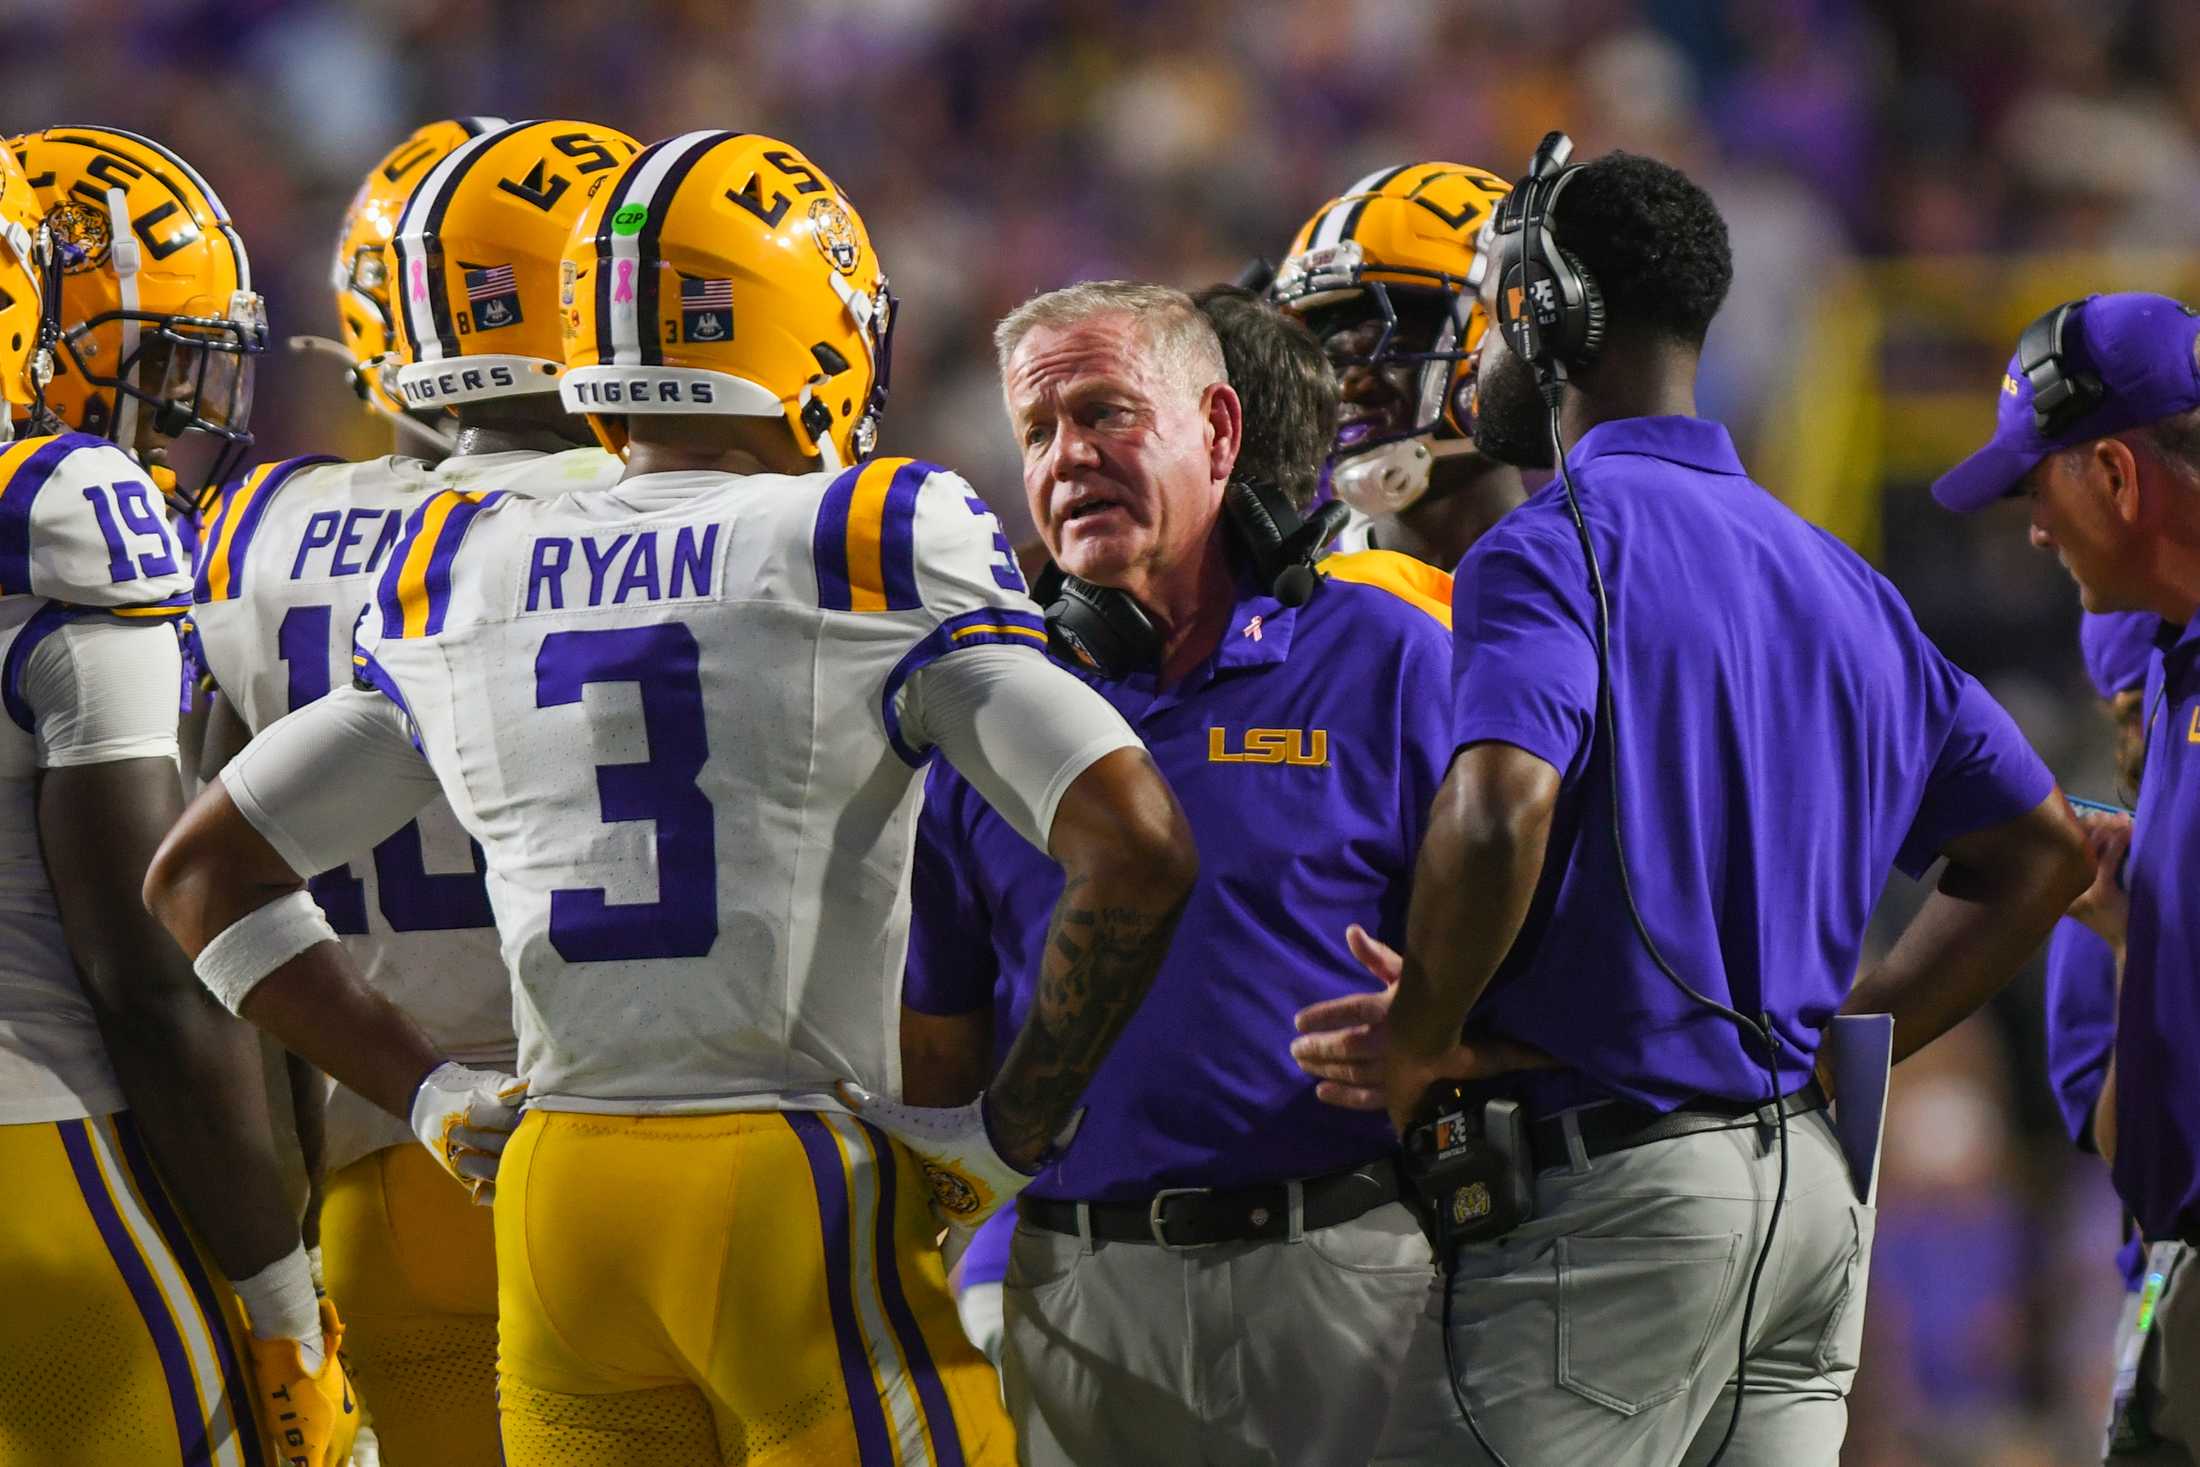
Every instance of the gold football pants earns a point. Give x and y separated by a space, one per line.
757 1288
118 1343
411 1264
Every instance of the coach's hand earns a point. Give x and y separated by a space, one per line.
2105 906
970 1179
464 1117
1344 1043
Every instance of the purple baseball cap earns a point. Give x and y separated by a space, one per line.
2138 347
2117 646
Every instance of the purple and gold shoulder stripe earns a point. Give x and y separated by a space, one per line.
226 538
865 542
27 466
415 593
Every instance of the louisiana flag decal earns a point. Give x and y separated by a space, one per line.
493 293
706 310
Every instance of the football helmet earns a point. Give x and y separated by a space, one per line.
477 254
151 293
725 273
361 271
1402 247
22 243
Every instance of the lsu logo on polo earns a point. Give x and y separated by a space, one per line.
1305 746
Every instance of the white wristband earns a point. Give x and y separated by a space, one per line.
258 943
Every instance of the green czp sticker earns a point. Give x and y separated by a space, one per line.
630 219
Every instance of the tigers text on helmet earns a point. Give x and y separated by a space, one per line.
152 293
362 270
22 222
724 273
477 254
1401 247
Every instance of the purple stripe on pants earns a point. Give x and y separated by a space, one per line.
873 1446
175 1367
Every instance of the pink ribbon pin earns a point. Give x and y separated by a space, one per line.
623 292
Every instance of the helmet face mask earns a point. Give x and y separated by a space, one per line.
1387 276
152 320
25 246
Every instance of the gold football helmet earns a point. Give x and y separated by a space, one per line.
477 254
724 273
361 272
157 318
1402 246
22 221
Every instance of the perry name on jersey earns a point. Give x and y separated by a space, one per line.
290 558
669 712
83 534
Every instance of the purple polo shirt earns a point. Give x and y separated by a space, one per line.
1305 753
1786 732
2081 1023
2157 1167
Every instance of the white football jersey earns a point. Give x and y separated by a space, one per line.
667 711
83 535
290 558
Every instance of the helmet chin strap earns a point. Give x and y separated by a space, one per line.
123 250
828 454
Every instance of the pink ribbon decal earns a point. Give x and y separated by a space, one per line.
420 280
623 291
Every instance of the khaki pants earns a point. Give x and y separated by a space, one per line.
1605 1330
1260 1354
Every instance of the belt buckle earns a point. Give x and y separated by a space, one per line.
1153 1217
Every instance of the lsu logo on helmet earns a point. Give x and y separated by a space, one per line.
157 318
724 273
835 234
1403 246
361 272
477 260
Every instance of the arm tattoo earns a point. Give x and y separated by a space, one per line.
1099 962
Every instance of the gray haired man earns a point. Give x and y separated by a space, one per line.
1218 1270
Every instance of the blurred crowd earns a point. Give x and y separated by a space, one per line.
1906 182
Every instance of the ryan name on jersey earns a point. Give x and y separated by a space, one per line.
612 570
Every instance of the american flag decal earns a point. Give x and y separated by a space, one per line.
493 293
706 310
496 280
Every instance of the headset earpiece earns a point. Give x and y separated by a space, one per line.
1585 351
1096 626
2060 396
1106 630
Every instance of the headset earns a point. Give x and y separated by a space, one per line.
1552 317
2060 394
1107 631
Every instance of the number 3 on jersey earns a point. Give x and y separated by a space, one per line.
663 664
411 899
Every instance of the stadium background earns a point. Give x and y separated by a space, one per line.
1907 184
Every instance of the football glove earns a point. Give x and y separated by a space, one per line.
308 1418
969 1177
464 1117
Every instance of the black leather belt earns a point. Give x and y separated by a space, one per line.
1198 1217
1608 1128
